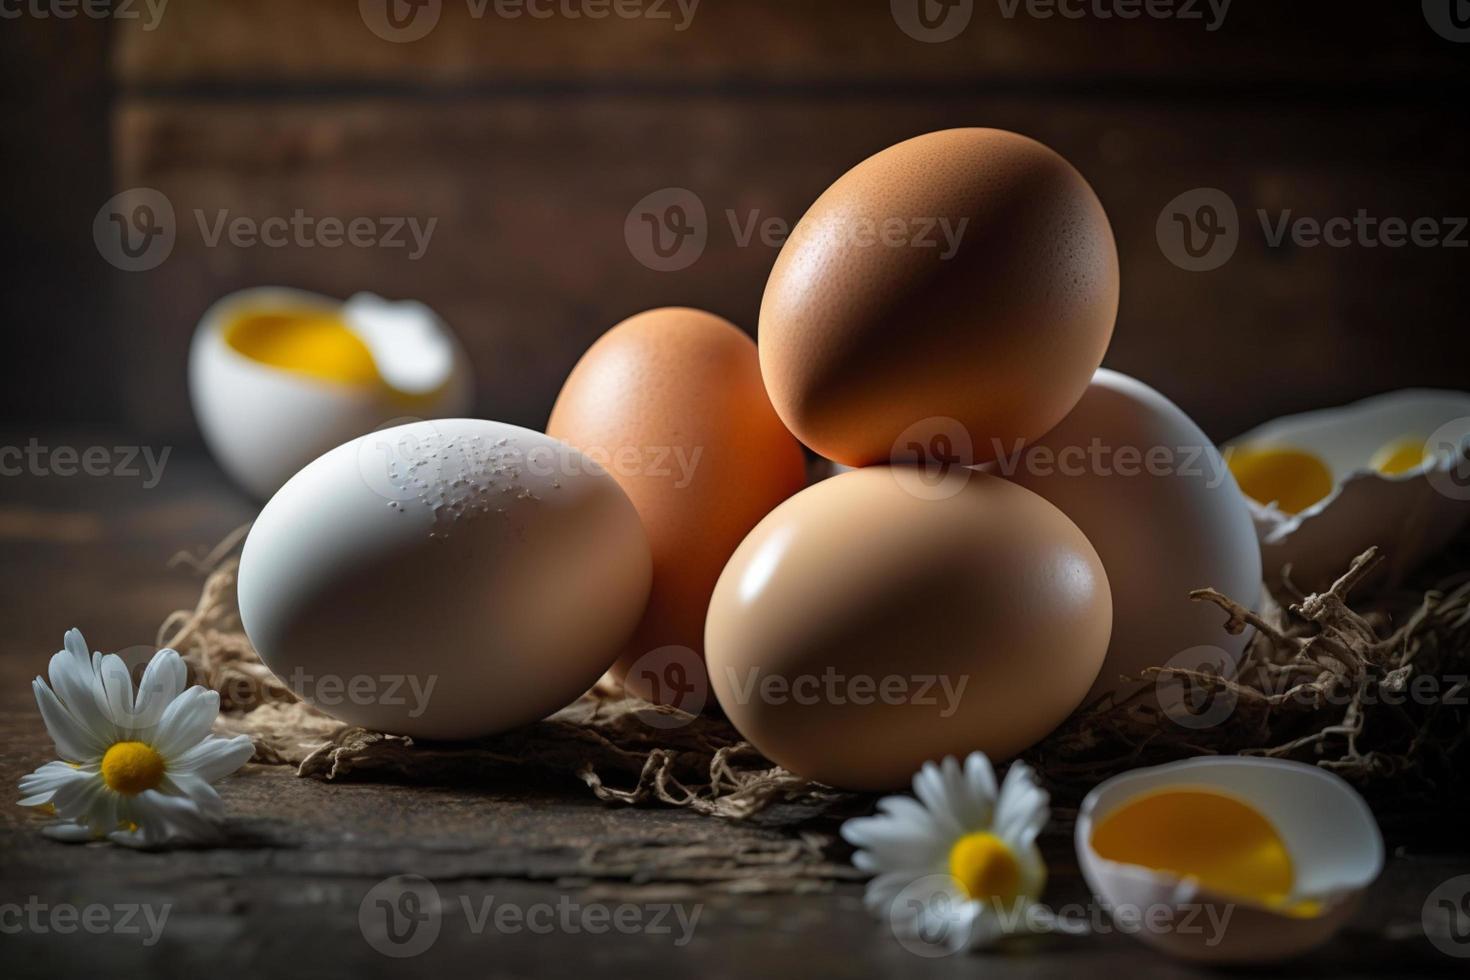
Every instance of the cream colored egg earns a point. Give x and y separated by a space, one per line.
444 579
1229 860
279 376
1156 500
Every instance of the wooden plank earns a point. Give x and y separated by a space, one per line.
758 42
530 262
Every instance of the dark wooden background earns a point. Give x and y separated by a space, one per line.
531 140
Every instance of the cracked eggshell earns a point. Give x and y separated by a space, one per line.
1409 516
446 579
1334 844
263 423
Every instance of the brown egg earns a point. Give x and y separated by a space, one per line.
876 620
671 402
963 283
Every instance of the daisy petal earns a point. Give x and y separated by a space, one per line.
74 742
186 721
197 791
116 693
214 758
932 789
75 685
163 681
69 832
1023 808
38 787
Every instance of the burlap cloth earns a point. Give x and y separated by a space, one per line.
1372 687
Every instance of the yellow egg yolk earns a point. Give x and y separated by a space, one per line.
130 768
1291 478
1400 456
1224 843
985 868
310 342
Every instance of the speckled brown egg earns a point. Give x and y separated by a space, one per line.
671 402
875 621
966 275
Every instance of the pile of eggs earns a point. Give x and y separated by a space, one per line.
995 530
960 583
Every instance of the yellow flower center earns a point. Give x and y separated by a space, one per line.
985 868
132 767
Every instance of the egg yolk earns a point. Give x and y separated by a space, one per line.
1224 843
1291 478
1401 456
308 342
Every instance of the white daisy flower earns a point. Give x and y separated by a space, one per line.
958 868
136 766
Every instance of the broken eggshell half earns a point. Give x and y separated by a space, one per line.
1391 471
1131 846
279 376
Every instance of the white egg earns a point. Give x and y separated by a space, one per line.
1154 497
444 579
1229 860
270 395
1390 471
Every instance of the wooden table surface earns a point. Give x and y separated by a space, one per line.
286 892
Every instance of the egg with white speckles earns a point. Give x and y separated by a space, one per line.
446 579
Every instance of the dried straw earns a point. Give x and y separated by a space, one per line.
1376 694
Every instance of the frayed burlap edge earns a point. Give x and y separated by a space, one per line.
1375 695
